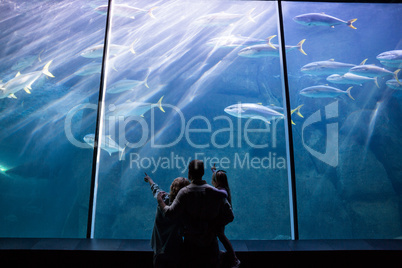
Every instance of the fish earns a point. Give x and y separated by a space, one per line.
328 67
373 71
23 81
281 110
123 10
392 58
222 18
322 19
350 78
89 69
23 63
107 144
324 91
393 84
254 111
258 51
288 48
96 51
234 41
125 85
268 50
132 108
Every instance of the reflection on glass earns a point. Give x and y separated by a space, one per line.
347 148
194 81
45 88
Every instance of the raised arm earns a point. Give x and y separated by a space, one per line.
155 187
213 169
148 179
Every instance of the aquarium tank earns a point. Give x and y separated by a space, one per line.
299 102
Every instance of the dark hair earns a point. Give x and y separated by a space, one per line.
175 187
196 169
221 180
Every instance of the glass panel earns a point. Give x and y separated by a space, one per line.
347 147
193 80
45 166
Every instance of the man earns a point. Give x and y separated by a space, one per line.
201 208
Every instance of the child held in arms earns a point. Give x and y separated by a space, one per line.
220 182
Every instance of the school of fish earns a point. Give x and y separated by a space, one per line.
338 73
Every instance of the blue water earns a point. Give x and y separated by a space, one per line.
354 191
360 196
45 179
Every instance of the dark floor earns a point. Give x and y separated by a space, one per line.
137 253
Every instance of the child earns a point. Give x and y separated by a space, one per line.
167 238
220 181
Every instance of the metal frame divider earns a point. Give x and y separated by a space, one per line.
288 128
98 130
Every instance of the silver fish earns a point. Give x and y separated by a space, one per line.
321 19
107 144
24 62
89 69
96 51
22 81
268 50
327 67
254 111
132 108
393 84
324 91
125 85
391 58
373 71
350 79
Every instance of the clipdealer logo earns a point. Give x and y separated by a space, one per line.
272 161
330 156
227 135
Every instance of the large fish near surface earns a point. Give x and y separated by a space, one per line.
321 19
132 109
327 67
123 10
22 81
268 50
373 71
96 51
391 58
324 91
222 18
351 79
107 144
254 111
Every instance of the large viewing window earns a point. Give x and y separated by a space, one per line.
191 83
348 175
152 85
48 101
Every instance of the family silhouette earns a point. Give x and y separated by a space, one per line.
190 219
